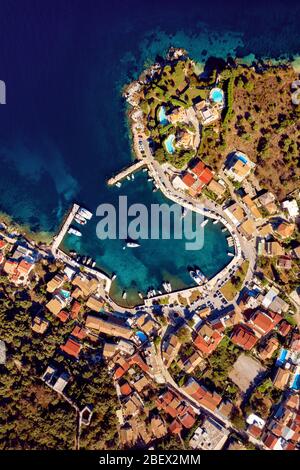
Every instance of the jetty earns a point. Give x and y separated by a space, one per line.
64 228
126 172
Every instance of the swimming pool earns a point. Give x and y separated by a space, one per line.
242 157
296 382
162 116
169 143
217 95
282 357
141 336
66 294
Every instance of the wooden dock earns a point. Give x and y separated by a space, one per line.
64 228
126 172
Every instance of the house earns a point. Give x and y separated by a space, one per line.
109 327
263 322
248 228
243 337
217 188
195 360
126 347
272 248
282 378
284 328
158 427
170 349
146 324
202 173
207 339
75 309
94 304
63 316
192 184
284 262
86 415
55 305
209 436
252 207
87 285
266 198
125 389
55 379
39 325
206 398
235 213
55 283
269 348
269 297
132 405
78 332
18 271
72 348
291 207
109 350
207 113
238 166
285 229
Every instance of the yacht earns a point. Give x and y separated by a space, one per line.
73 231
118 184
132 244
124 295
85 213
93 264
195 277
201 275
113 276
203 223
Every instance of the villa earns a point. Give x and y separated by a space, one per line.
207 113
238 166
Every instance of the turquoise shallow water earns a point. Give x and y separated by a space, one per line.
63 131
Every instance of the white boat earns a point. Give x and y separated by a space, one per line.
132 176
85 213
215 221
203 223
73 231
132 244
224 229
80 220
230 254
201 275
93 264
124 295
113 277
141 295
118 184
195 277
184 211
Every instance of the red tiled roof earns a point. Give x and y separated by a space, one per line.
119 372
255 431
2 244
188 180
24 265
284 328
270 440
75 309
207 346
187 420
262 321
206 176
198 169
78 332
63 316
175 427
125 389
244 337
136 359
71 347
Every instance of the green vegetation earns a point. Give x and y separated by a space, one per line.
233 286
220 363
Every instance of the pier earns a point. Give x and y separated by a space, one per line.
126 172
64 228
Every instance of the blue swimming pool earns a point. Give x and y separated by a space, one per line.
169 143
141 336
296 382
242 157
217 95
66 294
282 357
162 116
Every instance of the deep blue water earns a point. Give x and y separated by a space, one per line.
63 131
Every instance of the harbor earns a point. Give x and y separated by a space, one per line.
64 229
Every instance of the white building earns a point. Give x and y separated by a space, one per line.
291 207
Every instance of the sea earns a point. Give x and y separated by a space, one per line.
64 131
